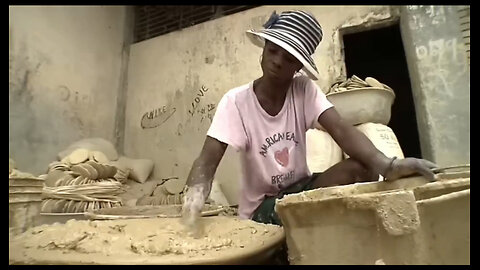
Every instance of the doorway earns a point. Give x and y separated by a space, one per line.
379 53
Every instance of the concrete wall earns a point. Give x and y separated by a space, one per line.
440 76
176 80
64 75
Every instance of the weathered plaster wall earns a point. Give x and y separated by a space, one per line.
440 76
176 80
64 75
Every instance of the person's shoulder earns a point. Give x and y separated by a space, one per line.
238 92
301 81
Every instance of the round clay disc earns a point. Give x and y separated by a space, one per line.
58 182
144 200
88 206
158 190
358 80
52 177
75 181
80 170
174 199
78 156
65 181
98 167
49 205
387 87
90 156
120 176
160 200
84 181
180 198
156 200
373 82
109 171
76 207
65 206
100 157
71 206
165 199
174 186
58 206
66 160
83 206
177 199
44 205
92 172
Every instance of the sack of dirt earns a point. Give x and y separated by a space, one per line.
139 169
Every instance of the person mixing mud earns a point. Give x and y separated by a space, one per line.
266 121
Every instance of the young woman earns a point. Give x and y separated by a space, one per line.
266 121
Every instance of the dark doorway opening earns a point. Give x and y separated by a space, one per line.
379 53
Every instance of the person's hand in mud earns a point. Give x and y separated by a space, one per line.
195 198
409 166
199 182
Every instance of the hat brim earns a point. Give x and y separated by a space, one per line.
258 38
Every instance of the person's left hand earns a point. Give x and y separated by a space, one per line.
409 166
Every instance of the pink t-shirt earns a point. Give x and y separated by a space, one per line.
273 151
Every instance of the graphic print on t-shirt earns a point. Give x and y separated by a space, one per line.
282 157
275 138
279 148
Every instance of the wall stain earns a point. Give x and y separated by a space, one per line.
210 59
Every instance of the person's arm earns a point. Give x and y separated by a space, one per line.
199 181
360 148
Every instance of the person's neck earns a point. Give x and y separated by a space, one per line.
272 89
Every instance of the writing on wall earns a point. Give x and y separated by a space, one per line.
442 64
196 101
75 97
435 15
196 112
157 117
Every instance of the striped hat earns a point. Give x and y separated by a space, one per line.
297 32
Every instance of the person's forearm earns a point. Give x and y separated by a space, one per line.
201 173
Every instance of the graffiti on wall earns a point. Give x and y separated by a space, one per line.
436 16
436 59
197 111
157 117
197 99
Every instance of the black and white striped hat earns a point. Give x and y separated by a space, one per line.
297 32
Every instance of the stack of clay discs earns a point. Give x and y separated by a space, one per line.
355 83
24 187
162 195
81 167
81 155
122 175
58 166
